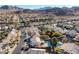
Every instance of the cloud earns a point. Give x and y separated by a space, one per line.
39 2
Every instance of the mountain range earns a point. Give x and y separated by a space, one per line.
64 11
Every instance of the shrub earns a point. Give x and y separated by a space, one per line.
77 43
57 34
57 50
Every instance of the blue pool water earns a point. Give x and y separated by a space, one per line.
49 45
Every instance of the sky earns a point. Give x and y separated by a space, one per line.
38 6
34 4
40 2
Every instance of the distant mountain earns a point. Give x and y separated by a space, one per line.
44 8
64 11
9 7
59 11
75 8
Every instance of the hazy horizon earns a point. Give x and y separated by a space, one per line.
40 6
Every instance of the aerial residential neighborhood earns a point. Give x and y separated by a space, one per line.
48 30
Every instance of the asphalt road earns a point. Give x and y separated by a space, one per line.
19 46
22 37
